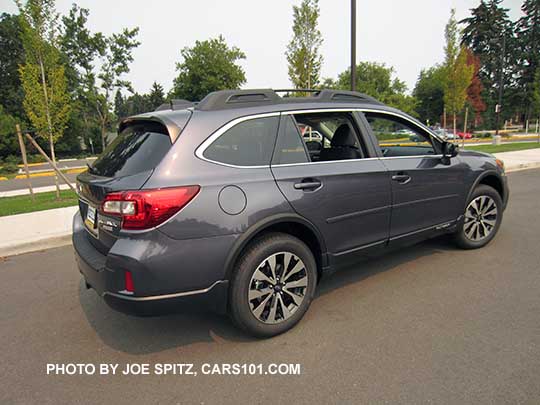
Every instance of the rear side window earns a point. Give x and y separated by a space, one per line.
138 148
248 143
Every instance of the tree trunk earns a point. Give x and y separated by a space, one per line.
455 126
103 137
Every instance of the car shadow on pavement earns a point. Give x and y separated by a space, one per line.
144 335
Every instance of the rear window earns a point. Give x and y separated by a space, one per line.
138 148
249 143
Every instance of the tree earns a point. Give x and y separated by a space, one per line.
8 139
475 89
376 80
429 92
81 49
489 34
458 75
95 86
11 56
303 51
535 96
46 100
528 33
208 66
117 55
156 97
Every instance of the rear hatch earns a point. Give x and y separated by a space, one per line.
126 164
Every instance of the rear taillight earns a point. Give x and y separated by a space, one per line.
143 209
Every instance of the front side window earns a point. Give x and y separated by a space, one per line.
248 143
397 137
330 136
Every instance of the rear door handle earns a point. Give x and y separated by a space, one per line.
308 185
401 178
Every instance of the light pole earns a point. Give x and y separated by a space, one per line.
501 83
353 45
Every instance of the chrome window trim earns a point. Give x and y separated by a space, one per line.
203 146
358 160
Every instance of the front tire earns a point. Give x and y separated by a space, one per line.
273 285
482 218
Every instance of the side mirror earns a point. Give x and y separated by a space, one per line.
449 149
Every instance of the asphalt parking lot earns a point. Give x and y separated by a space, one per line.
428 324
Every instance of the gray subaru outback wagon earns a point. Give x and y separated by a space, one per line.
230 204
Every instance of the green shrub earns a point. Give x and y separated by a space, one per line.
12 159
8 168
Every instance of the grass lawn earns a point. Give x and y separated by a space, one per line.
508 147
44 201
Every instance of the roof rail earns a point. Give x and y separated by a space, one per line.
225 99
175 104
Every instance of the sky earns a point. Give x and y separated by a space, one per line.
405 34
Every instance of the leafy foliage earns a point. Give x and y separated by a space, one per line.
208 66
11 56
489 34
303 51
8 138
429 91
535 95
458 74
475 89
46 100
376 80
528 34
98 64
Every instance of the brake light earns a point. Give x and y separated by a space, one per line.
143 209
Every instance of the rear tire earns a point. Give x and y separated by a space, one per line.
482 218
273 285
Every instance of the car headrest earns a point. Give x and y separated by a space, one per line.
313 145
344 137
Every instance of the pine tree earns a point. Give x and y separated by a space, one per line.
156 97
489 34
528 33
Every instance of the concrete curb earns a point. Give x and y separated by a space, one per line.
43 244
523 166
33 231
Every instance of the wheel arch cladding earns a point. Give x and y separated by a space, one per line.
291 225
493 181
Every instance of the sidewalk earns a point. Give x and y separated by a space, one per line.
45 229
520 160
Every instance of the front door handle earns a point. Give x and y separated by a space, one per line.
401 178
308 184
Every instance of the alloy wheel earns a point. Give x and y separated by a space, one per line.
480 218
278 287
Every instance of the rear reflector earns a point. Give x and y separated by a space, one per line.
144 209
129 282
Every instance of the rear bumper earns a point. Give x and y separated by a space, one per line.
105 275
